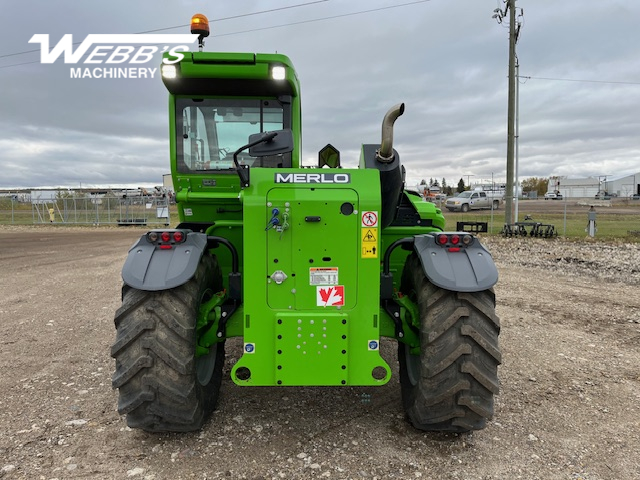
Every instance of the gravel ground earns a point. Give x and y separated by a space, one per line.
568 407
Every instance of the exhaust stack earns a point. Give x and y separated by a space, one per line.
385 153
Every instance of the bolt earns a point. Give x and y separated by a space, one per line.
219 334
396 314
224 314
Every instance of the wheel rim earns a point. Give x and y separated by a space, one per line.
413 365
206 364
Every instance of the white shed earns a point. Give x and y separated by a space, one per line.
574 187
623 186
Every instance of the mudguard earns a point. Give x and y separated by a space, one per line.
148 267
467 269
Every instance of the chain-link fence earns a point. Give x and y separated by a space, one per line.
86 210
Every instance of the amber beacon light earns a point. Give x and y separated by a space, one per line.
200 25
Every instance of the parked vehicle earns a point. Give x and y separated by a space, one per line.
552 196
472 200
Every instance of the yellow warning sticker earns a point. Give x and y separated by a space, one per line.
369 251
370 242
369 235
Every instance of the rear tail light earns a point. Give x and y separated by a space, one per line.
454 241
167 238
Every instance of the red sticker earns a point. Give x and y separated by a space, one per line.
330 296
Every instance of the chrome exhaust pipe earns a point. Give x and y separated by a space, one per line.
385 153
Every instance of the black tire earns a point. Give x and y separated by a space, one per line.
162 386
464 208
450 386
496 204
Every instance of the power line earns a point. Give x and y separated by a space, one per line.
579 80
186 25
240 16
333 17
361 12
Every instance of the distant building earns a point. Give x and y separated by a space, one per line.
591 186
490 187
623 186
574 187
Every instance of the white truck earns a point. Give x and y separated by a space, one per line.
474 200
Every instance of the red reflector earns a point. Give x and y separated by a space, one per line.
165 237
455 239
166 247
178 236
454 249
442 239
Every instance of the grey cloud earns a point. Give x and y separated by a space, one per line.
447 63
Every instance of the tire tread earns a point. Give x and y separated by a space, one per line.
155 356
459 356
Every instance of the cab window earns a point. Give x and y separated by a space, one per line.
209 131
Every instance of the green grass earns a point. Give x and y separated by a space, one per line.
573 225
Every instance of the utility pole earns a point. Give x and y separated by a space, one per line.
469 180
514 30
516 137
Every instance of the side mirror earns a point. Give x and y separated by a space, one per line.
262 145
265 144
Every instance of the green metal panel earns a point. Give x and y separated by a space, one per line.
312 347
319 325
309 247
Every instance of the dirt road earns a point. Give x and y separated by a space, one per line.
569 407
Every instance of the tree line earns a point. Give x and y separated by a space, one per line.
528 186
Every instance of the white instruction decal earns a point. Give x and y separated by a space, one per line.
323 276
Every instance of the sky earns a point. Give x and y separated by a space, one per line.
447 60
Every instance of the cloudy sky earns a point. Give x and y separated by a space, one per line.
445 59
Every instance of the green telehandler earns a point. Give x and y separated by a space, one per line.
311 267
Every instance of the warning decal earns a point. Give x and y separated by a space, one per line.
370 219
370 235
332 296
370 242
323 276
369 251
